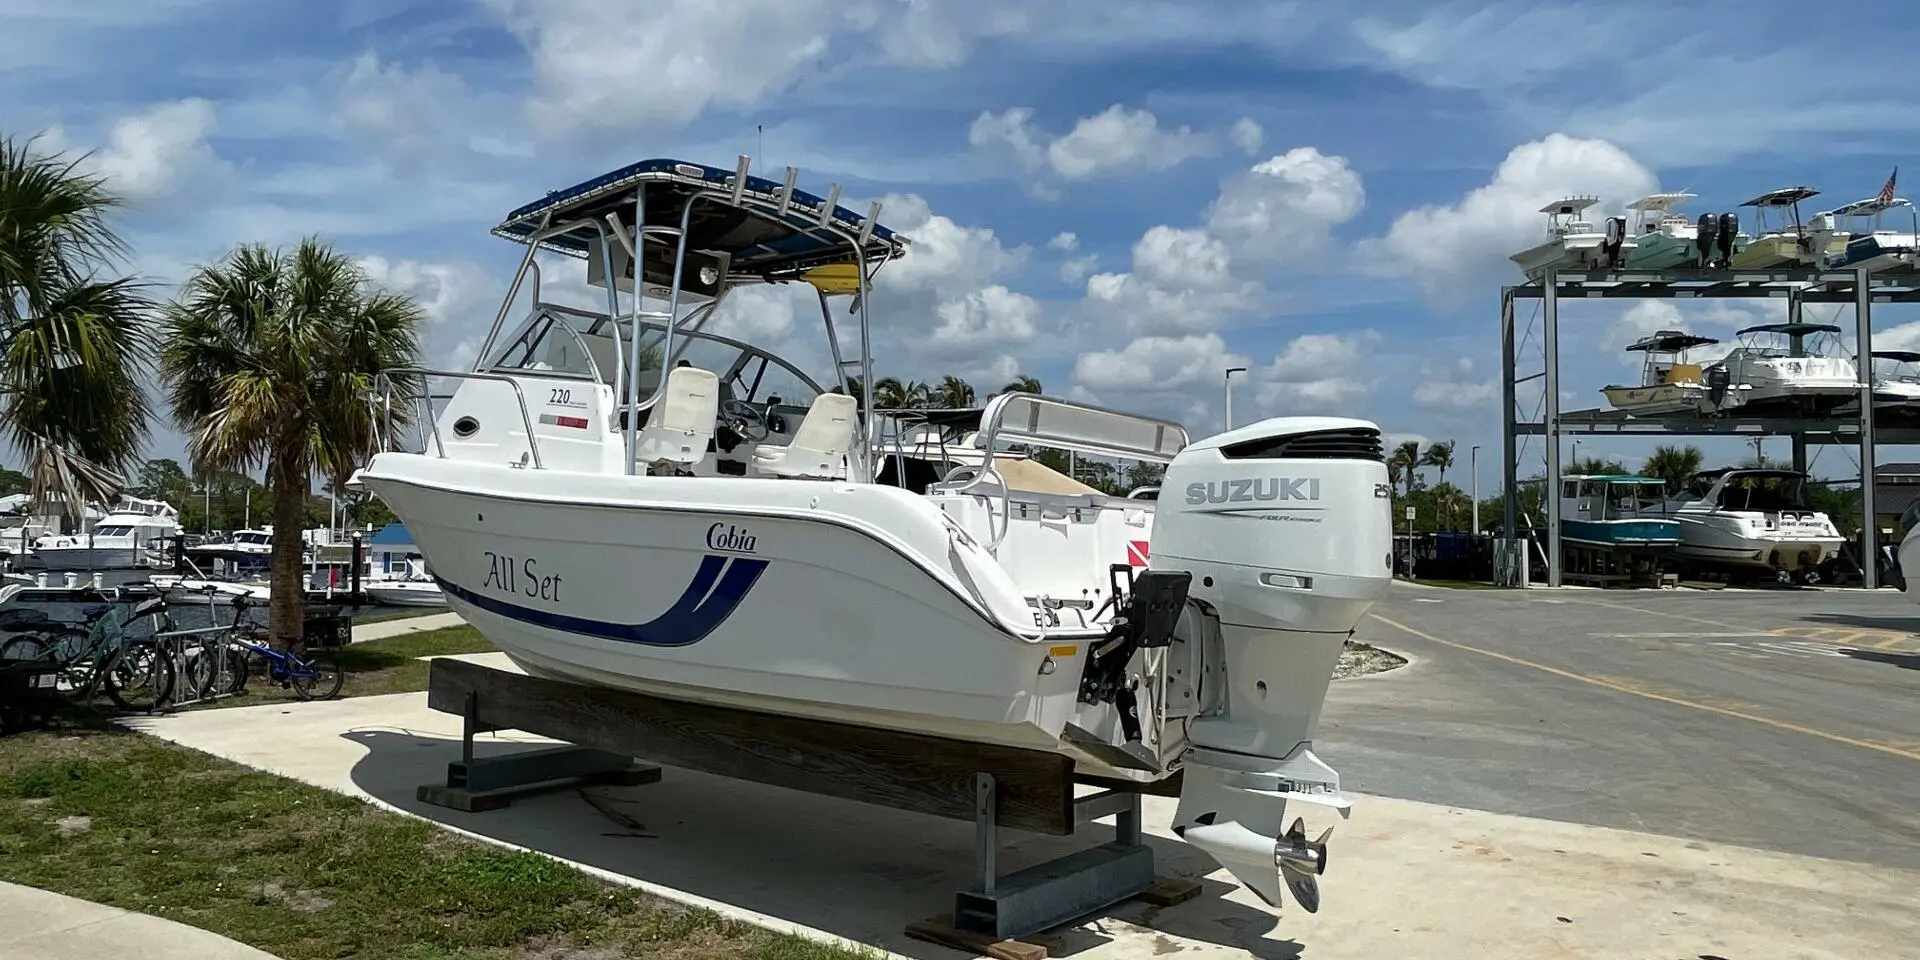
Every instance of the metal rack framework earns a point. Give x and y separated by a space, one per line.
1797 286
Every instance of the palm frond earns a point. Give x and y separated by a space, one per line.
55 469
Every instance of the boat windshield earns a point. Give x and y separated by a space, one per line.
563 342
1764 494
1627 499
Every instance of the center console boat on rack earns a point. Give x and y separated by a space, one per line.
624 499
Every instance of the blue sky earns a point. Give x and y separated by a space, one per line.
1121 199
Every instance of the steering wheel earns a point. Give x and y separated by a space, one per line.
752 420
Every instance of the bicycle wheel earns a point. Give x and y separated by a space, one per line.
318 678
237 668
26 646
141 678
195 673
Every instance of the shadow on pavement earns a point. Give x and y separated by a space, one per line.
1909 661
856 871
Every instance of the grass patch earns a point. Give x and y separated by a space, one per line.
306 874
373 667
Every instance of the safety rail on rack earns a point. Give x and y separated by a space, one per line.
1038 420
433 425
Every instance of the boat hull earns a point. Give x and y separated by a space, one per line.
1622 533
409 594
1788 550
94 558
837 601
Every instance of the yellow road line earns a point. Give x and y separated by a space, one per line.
1840 637
1630 688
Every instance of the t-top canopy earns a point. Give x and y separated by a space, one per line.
1671 341
777 232
1791 329
1785 196
1898 356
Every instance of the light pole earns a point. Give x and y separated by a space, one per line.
1473 483
1227 414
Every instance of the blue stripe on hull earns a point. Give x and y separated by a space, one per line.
1635 532
710 598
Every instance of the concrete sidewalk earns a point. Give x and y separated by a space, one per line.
47 926
382 629
1407 879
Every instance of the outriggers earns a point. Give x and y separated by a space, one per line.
624 499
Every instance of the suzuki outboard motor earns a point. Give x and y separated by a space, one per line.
1285 528
1706 235
1616 238
1729 229
1718 382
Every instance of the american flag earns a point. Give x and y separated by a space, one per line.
1886 192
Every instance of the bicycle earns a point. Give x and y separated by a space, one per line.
95 653
315 676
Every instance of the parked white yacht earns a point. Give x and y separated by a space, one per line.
1779 381
1573 243
625 499
133 534
1671 386
1781 239
1896 380
1752 517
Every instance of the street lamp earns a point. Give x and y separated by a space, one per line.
1473 482
1227 415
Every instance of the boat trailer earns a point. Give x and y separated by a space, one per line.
609 736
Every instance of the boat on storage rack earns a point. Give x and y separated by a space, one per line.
1573 243
1780 375
1670 386
1756 518
625 499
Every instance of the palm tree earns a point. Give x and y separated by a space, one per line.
270 359
1595 467
1439 456
74 342
1023 384
953 393
1407 455
1675 465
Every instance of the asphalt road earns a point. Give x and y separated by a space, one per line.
1785 720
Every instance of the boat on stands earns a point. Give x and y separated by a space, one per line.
404 592
1613 529
1670 386
625 499
1753 518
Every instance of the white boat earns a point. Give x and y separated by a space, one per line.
1574 243
1670 386
1778 379
1781 239
1752 517
397 592
1873 246
133 534
243 545
703 523
1898 388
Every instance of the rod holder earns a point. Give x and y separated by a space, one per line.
786 191
740 178
827 207
866 228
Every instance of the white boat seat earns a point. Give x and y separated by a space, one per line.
682 421
817 448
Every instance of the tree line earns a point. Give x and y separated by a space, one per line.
264 360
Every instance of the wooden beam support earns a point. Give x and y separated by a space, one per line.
883 767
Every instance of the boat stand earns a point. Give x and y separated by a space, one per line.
476 784
996 787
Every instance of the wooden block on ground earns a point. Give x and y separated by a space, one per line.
1169 891
940 930
480 801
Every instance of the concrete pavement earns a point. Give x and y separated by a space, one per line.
39 925
1406 878
401 626
1720 716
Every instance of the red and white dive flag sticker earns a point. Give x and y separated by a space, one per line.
1137 553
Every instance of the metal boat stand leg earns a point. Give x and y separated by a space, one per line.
1053 893
489 783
